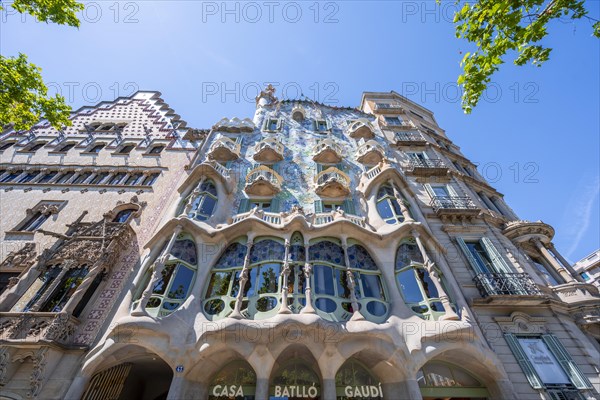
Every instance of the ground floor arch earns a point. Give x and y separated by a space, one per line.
442 380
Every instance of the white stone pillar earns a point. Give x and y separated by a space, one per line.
559 268
308 307
237 311
285 273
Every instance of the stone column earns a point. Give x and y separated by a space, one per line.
356 315
430 266
78 387
159 265
565 263
262 389
237 311
195 194
328 389
546 254
308 307
402 203
285 276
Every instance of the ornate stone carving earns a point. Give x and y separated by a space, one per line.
23 258
36 379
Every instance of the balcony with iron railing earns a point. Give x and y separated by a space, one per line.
426 167
313 219
387 108
454 205
224 149
327 152
332 183
268 151
361 129
411 138
397 124
263 181
506 284
370 153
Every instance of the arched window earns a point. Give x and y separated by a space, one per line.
354 381
123 215
441 380
417 288
237 381
65 289
203 205
176 279
388 205
331 287
261 295
295 380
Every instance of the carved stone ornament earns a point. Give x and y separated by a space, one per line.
22 258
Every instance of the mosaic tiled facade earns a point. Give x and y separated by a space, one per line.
308 252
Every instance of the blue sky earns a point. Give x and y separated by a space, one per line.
535 133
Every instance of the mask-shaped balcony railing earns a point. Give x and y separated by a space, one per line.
503 284
268 151
411 138
370 153
431 166
224 149
332 183
32 327
263 181
361 128
327 152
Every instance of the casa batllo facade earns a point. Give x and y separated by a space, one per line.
311 252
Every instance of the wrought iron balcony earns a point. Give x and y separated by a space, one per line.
387 108
263 181
332 183
327 151
442 203
411 138
427 167
224 149
370 153
268 151
31 327
503 284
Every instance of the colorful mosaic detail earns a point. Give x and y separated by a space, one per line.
185 250
360 258
267 250
408 253
233 256
328 252
297 253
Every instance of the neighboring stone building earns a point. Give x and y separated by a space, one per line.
589 268
311 252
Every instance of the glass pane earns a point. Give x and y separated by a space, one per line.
65 290
376 308
341 280
297 253
161 285
384 209
428 285
372 286
267 281
301 280
153 302
214 306
409 286
249 290
266 303
208 205
219 284
326 305
440 191
267 250
181 283
323 277
233 256
185 250
480 256
408 253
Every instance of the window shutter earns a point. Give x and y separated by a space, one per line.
467 253
328 125
318 206
315 125
340 166
276 167
238 140
499 264
279 123
348 206
521 357
265 124
275 204
244 206
571 369
429 190
319 168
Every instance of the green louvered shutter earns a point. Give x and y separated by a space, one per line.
474 264
564 358
319 168
340 166
244 206
275 204
318 206
499 264
521 357
348 206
